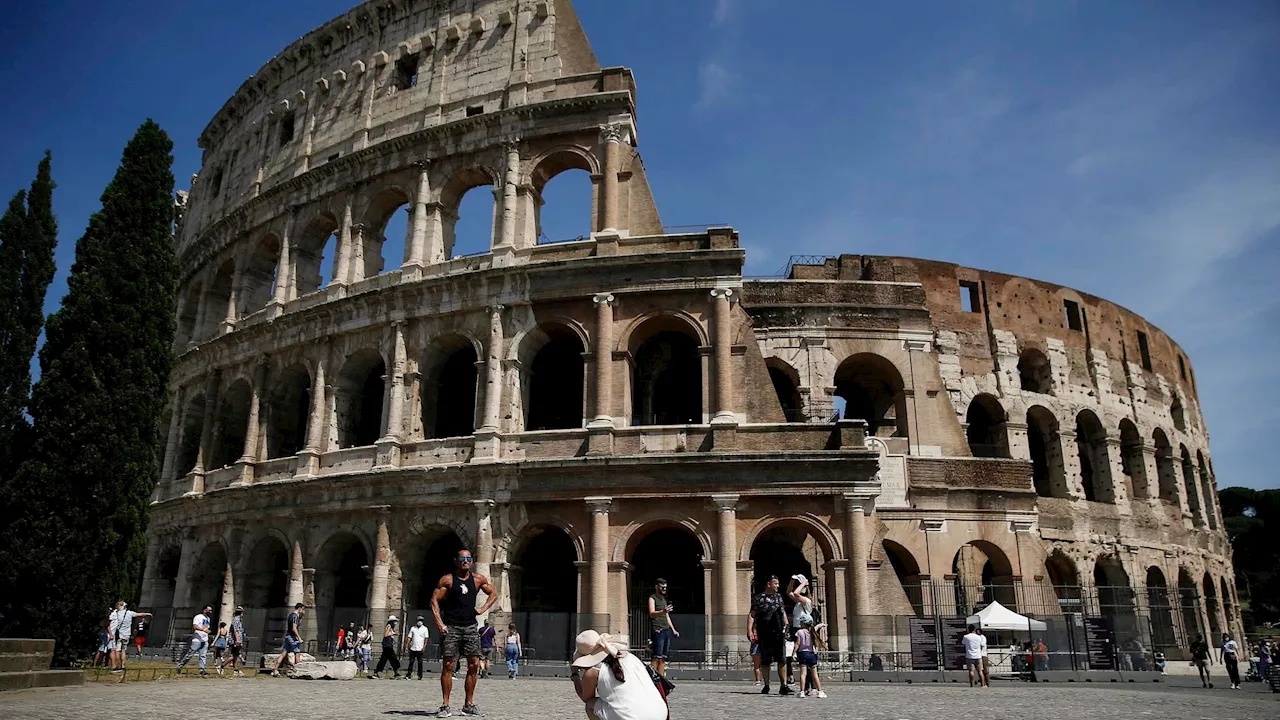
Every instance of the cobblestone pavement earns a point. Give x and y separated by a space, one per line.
536 699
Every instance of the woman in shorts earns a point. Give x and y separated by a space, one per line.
219 645
807 643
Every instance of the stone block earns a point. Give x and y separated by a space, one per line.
340 670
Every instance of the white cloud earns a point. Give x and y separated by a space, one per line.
723 12
715 84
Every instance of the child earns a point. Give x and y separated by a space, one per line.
807 644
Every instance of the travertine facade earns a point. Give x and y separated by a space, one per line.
588 415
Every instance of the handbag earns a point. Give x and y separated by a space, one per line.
665 686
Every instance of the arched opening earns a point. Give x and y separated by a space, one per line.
287 409
1115 594
1095 465
188 314
216 304
1189 480
1047 472
1065 580
563 199
666 385
382 239
266 575
341 583
167 577
1189 600
545 593
1131 460
793 548
786 385
1206 485
470 215
1228 606
449 388
674 554
907 571
192 432
314 254
981 574
1164 467
555 379
438 560
1211 607
259 278
360 395
1034 372
1179 416
873 391
1163 634
233 425
207 580
986 428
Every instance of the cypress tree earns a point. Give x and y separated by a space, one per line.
28 235
94 458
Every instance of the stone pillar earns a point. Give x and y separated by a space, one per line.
604 358
228 323
611 138
381 570
228 605
206 431
297 588
389 443
309 456
182 584
855 532
416 247
253 429
730 627
282 292
510 182
342 258
493 372
599 507
483 551
836 575
723 353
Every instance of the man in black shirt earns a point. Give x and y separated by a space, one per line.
766 626
453 605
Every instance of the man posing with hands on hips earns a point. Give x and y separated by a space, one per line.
453 605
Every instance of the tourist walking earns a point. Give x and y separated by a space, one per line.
120 628
661 626
1264 659
389 645
807 646
766 626
1201 659
974 644
219 645
199 639
513 651
416 640
613 683
292 640
487 635
349 642
1231 658
364 648
1042 656
140 638
235 643
453 606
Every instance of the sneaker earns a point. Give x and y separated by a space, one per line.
219 671
757 683
375 676
765 690
821 694
784 690
443 712
239 674
275 673
472 710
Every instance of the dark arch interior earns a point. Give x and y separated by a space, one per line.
548 576
985 419
872 391
1115 596
675 555
1046 461
982 574
1165 467
233 425
1091 449
360 400
345 562
1034 372
908 572
1163 634
780 551
266 584
167 571
784 386
437 562
192 428
668 380
555 383
287 413
455 394
209 578
260 275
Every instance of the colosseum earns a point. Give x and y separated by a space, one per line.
919 438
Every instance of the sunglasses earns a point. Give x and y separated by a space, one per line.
465 558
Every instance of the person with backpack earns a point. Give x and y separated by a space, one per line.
235 643
364 651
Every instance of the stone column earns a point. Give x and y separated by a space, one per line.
249 456
599 507
483 551
510 181
604 358
611 138
855 508
228 605
389 443
342 258
206 431
381 570
182 584
723 354
297 589
356 271
309 456
493 371
730 627
280 293
416 248
228 323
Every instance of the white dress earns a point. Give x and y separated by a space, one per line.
635 699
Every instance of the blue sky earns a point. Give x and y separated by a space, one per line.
1128 149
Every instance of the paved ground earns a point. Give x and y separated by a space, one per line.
537 699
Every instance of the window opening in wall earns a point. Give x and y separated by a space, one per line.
1034 372
1047 470
393 239
555 382
1095 465
406 72
452 404
286 129
667 382
874 392
475 110
1145 351
785 387
986 431
1182 368
288 411
562 208
1073 315
359 399
970 301
215 184
1165 473
1179 417
473 228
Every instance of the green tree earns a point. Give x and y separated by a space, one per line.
28 235
1252 518
76 538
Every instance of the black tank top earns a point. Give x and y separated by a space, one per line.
460 602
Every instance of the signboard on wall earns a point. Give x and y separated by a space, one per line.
1099 643
924 643
953 631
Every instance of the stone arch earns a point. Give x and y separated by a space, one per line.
641 327
562 161
258 280
1160 603
1167 476
554 376
188 313
673 551
1210 590
1095 463
342 563
1115 591
167 568
376 219
907 570
192 435
786 386
288 411
986 431
1048 472
208 576
1065 579
1177 413
1035 374
1132 461
872 389
452 195
361 396
1207 492
450 385
1189 602
233 424
543 570
981 572
666 377
316 244
218 299
265 570
813 525
1190 482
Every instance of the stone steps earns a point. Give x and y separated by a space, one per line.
24 663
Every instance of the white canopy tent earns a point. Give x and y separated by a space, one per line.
998 617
